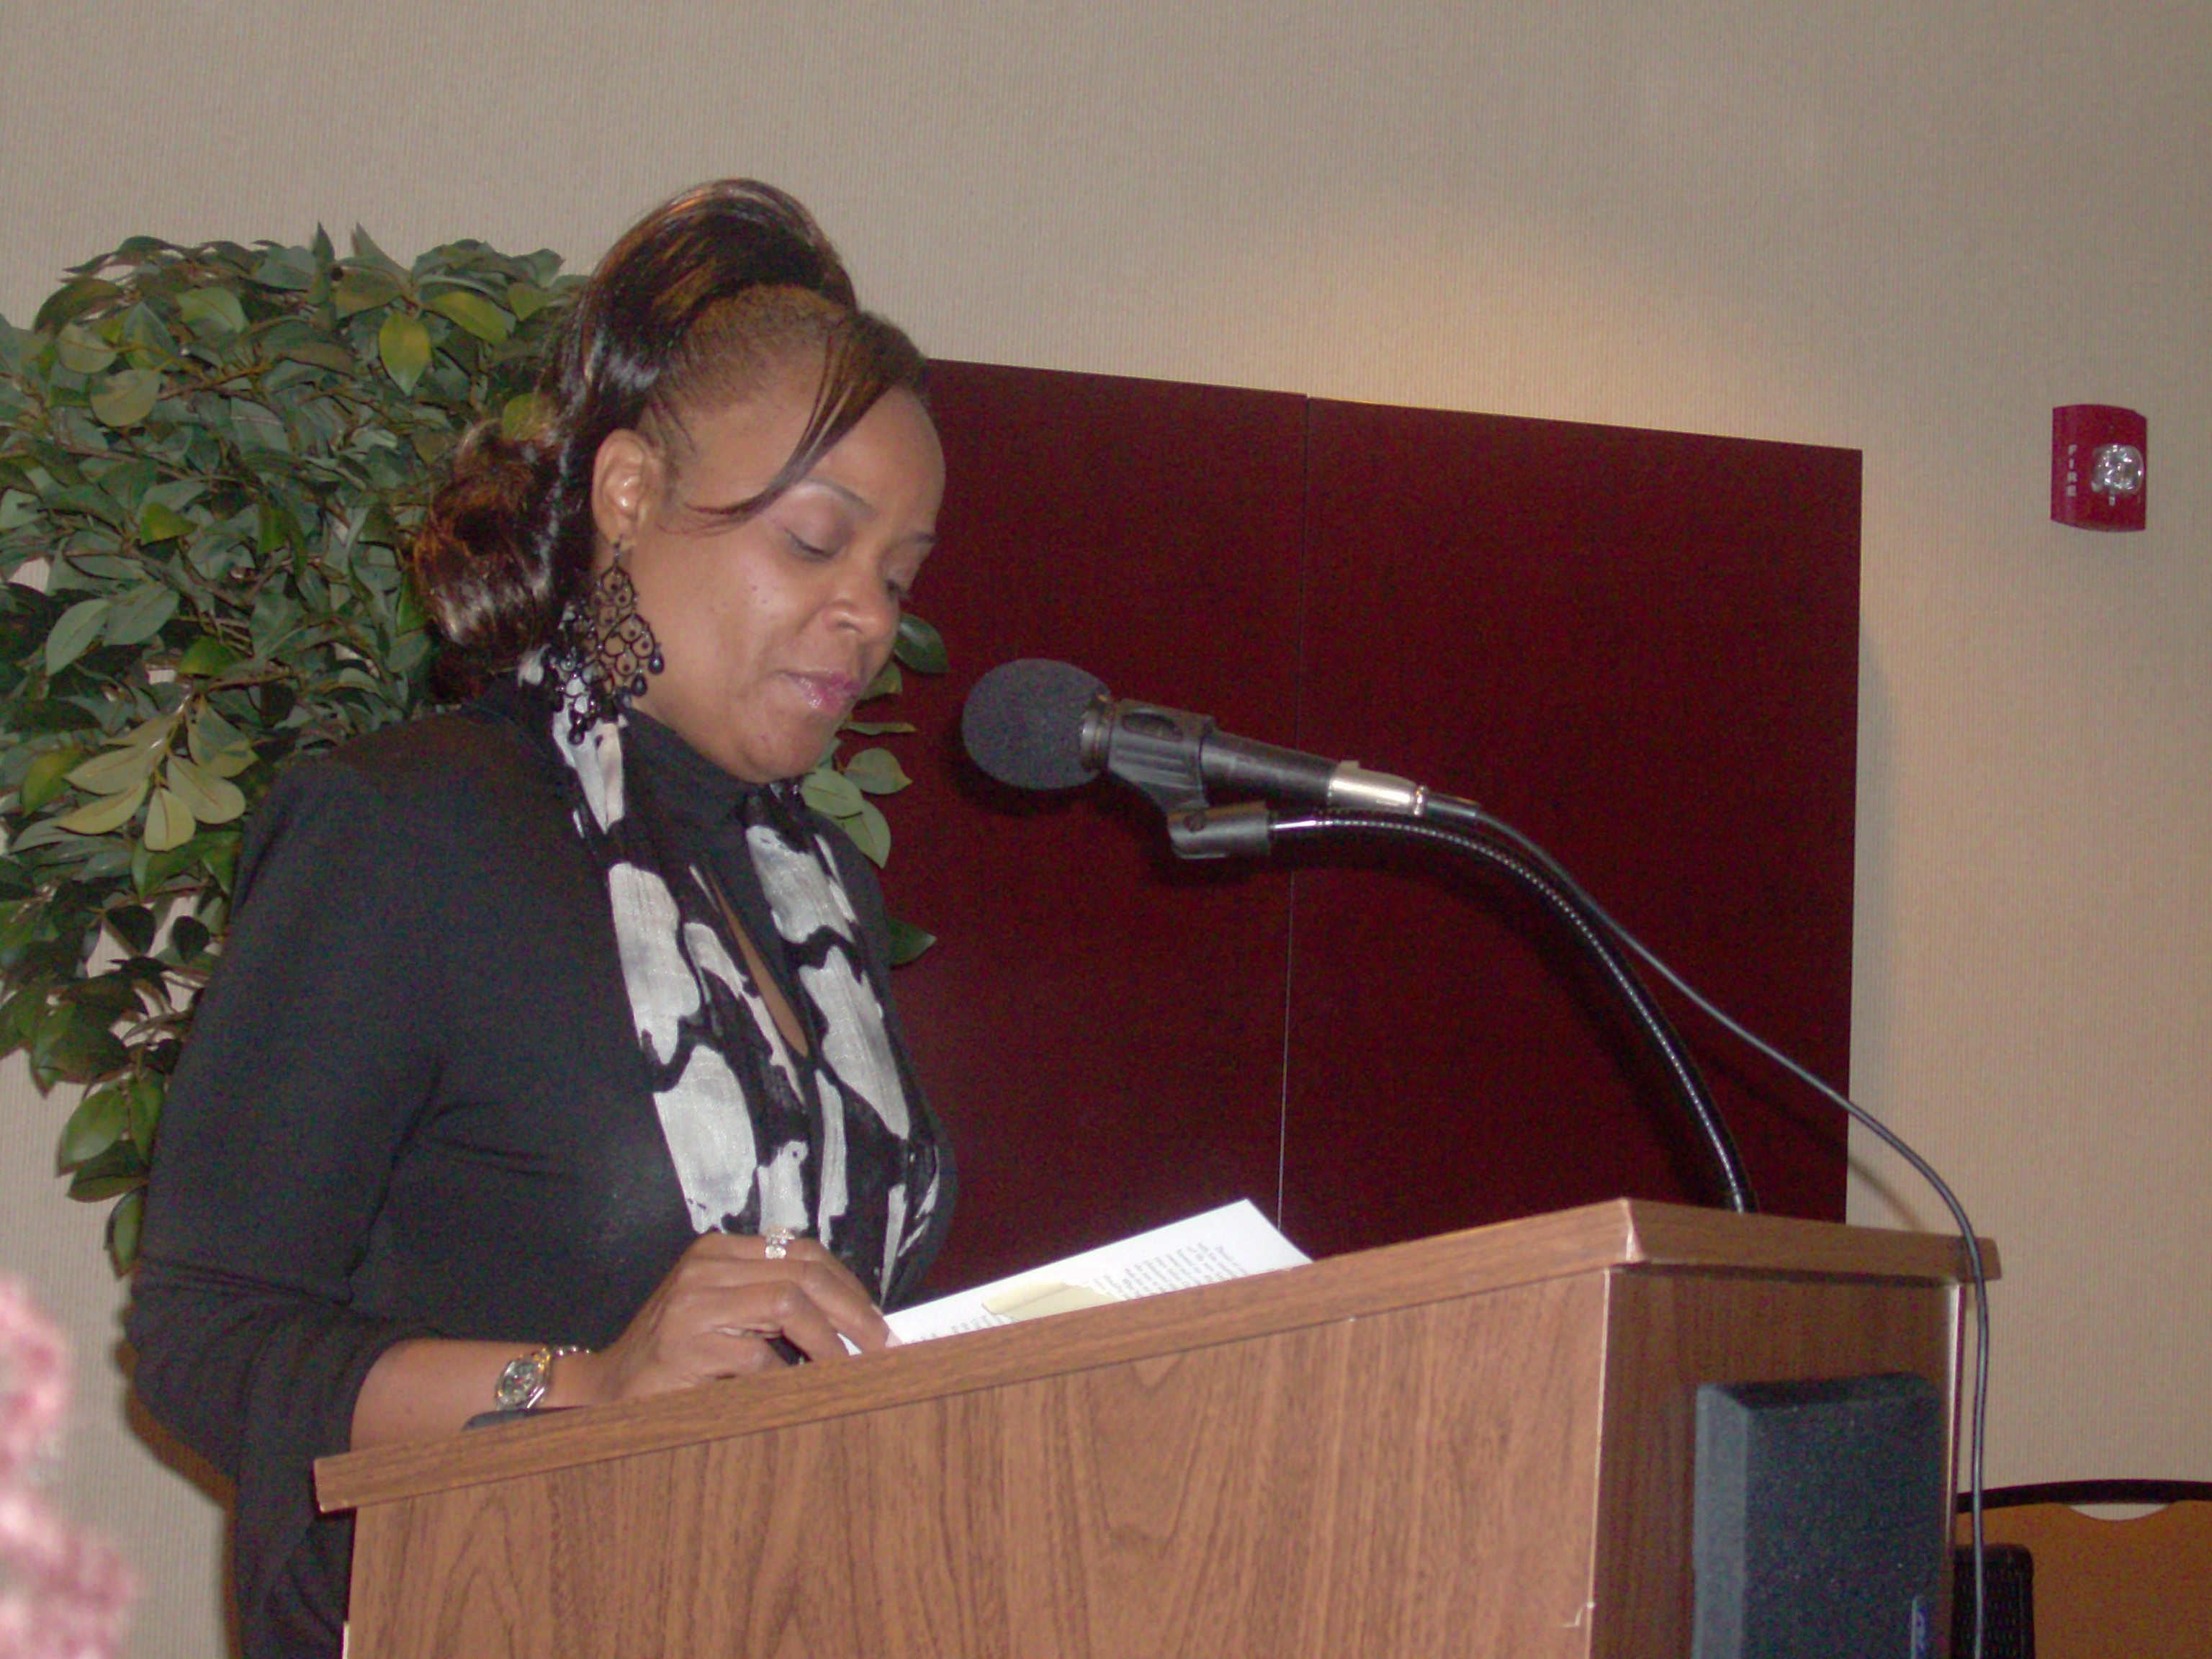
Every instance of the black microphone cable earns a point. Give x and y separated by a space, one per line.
1475 826
1029 724
1539 877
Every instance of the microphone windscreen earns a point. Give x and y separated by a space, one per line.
1024 723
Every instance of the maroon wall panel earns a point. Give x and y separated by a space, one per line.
1640 649
1100 1027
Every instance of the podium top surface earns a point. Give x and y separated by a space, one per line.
1622 1234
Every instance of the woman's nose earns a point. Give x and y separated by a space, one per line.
863 598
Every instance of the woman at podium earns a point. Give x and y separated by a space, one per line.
551 1059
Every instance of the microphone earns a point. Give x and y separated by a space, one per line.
1037 723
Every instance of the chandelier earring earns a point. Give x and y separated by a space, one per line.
605 647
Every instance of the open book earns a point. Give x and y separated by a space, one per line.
1225 1243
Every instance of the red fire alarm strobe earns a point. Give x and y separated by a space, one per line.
2099 479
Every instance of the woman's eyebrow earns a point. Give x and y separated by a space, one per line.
859 502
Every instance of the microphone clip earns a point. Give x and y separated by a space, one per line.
1245 829
1152 748
1161 753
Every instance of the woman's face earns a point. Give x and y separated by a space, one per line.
770 628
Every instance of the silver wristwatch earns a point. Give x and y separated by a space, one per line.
523 1382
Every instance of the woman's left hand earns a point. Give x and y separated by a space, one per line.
718 1313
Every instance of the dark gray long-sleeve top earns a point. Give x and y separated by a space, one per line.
413 1104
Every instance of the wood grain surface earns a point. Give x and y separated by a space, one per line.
1371 1486
1668 1331
1622 1232
1471 1445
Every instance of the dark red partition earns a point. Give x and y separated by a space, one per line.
1639 647
1101 1026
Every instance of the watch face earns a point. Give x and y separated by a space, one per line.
520 1383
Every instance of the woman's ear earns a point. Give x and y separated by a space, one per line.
625 477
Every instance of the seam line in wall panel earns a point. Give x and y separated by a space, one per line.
1283 1101
1298 736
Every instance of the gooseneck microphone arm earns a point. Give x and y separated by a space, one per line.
1042 725
1532 876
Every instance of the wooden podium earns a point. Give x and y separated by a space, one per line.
1476 1444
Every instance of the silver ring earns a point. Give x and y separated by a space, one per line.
778 1240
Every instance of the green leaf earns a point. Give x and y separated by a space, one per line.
121 1169
19 1017
258 426
157 523
218 746
169 822
365 290
188 938
908 942
127 397
81 351
886 683
526 300
108 812
207 797
876 728
877 771
871 832
365 248
47 776
100 1119
137 615
134 925
479 315
404 345
74 633
125 1223
113 770
72 300
292 269
320 354
76 1046
110 996
831 793
211 311
144 1095
17 508
522 418
919 646
149 733
47 832
206 656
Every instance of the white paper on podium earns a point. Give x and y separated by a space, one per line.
1229 1242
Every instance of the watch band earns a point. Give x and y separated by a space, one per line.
523 1382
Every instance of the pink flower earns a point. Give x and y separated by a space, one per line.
64 1595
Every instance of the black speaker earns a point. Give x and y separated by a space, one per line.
1820 1511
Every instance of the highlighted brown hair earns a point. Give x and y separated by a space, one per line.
693 307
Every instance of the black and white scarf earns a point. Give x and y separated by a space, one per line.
825 1141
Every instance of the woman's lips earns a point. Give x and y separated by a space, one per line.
829 694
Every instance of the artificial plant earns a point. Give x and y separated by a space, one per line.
210 459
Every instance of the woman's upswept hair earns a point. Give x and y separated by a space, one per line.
704 297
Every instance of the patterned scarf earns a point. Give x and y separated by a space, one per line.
762 1136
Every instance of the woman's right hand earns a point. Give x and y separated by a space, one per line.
715 1314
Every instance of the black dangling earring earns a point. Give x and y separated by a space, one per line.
605 648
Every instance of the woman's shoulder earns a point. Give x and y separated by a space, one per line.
474 755
436 789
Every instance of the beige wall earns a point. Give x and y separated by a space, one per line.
1906 228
